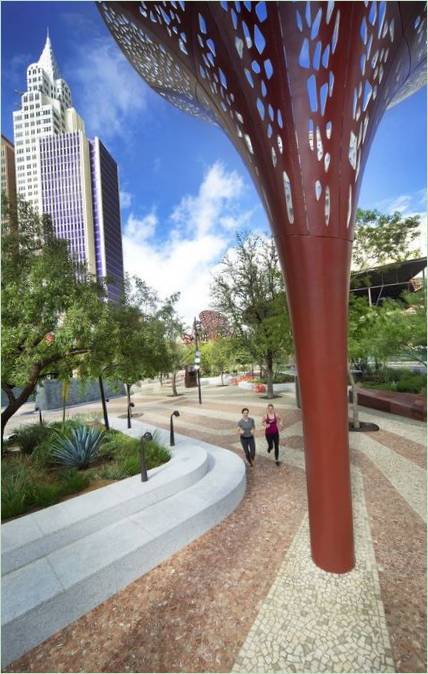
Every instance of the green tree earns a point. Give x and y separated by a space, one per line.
216 355
133 346
363 321
381 238
394 328
51 307
401 328
250 292
176 355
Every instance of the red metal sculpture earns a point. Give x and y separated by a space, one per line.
213 324
299 88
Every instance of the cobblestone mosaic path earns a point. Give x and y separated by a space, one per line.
246 595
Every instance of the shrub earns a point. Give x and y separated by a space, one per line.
78 448
73 481
67 426
29 437
394 379
112 472
15 488
155 455
412 382
129 464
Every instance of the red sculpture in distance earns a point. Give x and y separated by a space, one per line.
214 324
299 88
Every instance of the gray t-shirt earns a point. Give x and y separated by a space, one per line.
246 426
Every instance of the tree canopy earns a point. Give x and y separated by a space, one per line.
51 308
381 238
249 290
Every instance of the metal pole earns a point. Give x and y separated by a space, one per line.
198 375
297 392
171 432
199 387
103 402
143 468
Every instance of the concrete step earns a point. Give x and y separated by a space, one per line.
33 536
45 594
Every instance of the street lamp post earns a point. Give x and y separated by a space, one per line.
197 359
176 413
146 437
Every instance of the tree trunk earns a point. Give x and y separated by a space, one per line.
355 419
222 378
14 404
269 375
174 387
103 402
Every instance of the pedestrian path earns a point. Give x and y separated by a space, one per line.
312 621
246 596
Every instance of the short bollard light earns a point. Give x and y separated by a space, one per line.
130 406
176 413
37 409
146 437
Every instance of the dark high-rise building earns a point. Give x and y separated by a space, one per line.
106 217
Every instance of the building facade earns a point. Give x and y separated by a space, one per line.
64 174
65 182
106 217
8 182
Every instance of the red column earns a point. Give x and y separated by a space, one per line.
317 275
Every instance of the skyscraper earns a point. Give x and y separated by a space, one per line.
43 112
64 174
106 217
65 182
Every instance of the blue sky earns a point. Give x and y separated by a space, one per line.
185 190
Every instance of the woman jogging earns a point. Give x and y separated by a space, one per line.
271 422
246 428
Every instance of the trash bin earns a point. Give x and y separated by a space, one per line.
190 376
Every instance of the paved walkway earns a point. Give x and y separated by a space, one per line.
246 596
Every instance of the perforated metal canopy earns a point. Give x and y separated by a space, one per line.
299 88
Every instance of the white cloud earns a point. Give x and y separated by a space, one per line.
111 94
404 203
200 236
217 192
141 229
125 199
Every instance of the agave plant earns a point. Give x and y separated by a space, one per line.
77 448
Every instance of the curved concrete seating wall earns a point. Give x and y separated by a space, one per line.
52 580
28 538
